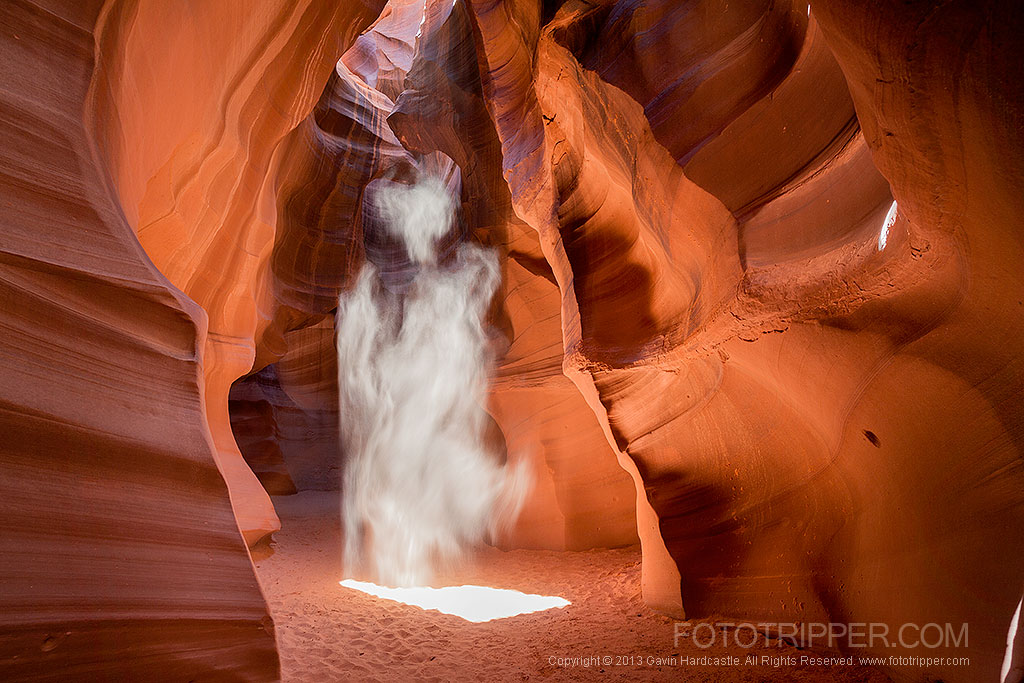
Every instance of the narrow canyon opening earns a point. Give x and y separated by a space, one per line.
466 406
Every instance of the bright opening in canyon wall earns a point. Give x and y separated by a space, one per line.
420 487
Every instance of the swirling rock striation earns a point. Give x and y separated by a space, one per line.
708 332
773 361
203 194
120 549
581 497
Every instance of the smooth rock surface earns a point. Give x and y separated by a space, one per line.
818 434
194 135
119 553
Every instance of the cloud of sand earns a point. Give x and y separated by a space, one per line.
419 485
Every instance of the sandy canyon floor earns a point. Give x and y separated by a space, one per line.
329 633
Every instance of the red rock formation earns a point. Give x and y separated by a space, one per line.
297 403
705 335
121 552
223 93
581 496
254 425
783 385
119 547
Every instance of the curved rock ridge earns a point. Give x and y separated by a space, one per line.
695 67
201 192
601 199
120 551
760 303
780 366
581 496
285 417
326 227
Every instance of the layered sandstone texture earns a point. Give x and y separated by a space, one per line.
406 98
760 302
819 406
199 137
138 192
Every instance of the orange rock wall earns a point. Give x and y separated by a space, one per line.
326 228
119 546
157 123
193 135
815 432
702 338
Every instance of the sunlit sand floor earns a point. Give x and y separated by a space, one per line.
328 633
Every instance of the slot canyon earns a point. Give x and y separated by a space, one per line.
512 340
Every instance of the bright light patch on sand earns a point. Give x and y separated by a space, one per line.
890 220
472 603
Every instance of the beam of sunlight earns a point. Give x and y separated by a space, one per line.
415 355
472 603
